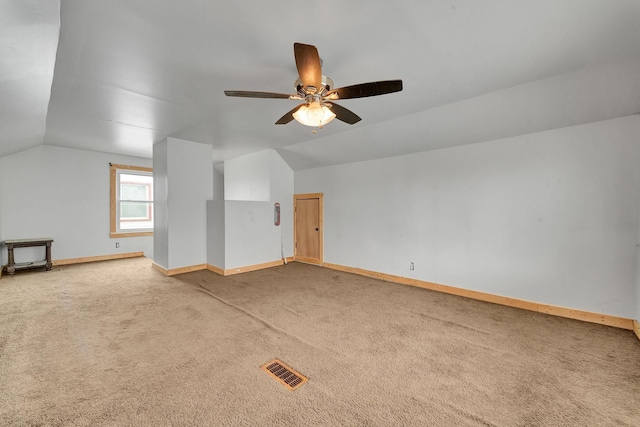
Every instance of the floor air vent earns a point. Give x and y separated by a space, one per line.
284 374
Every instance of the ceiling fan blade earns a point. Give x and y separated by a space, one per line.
363 90
308 64
289 116
251 94
343 114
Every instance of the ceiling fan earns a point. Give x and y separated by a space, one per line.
318 94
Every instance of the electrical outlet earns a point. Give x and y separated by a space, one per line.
411 266
117 244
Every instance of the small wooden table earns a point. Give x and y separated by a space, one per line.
24 243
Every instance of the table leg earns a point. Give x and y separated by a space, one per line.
48 265
11 267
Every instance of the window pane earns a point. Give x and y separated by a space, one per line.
136 187
136 215
134 210
134 192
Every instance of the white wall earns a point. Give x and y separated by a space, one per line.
251 238
252 185
282 184
551 217
638 293
216 233
241 233
2 262
248 177
160 209
189 184
62 193
216 221
637 317
218 185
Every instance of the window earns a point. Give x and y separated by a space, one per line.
131 201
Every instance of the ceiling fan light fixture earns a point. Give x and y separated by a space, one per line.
314 114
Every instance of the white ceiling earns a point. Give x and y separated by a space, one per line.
28 40
117 76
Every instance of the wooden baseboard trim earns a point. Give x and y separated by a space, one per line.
181 270
69 261
603 319
246 269
229 272
218 270
215 269
160 269
636 328
311 261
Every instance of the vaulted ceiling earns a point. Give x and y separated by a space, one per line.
117 76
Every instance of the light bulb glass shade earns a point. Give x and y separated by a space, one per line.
314 114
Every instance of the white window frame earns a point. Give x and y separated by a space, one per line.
115 172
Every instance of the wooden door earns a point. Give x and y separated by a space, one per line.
308 227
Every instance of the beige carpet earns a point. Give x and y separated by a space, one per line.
118 343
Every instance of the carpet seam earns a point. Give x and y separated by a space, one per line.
253 316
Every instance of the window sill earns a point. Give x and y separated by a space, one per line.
132 234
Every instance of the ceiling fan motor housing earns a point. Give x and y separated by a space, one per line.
327 84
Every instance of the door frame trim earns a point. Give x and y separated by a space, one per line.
320 197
